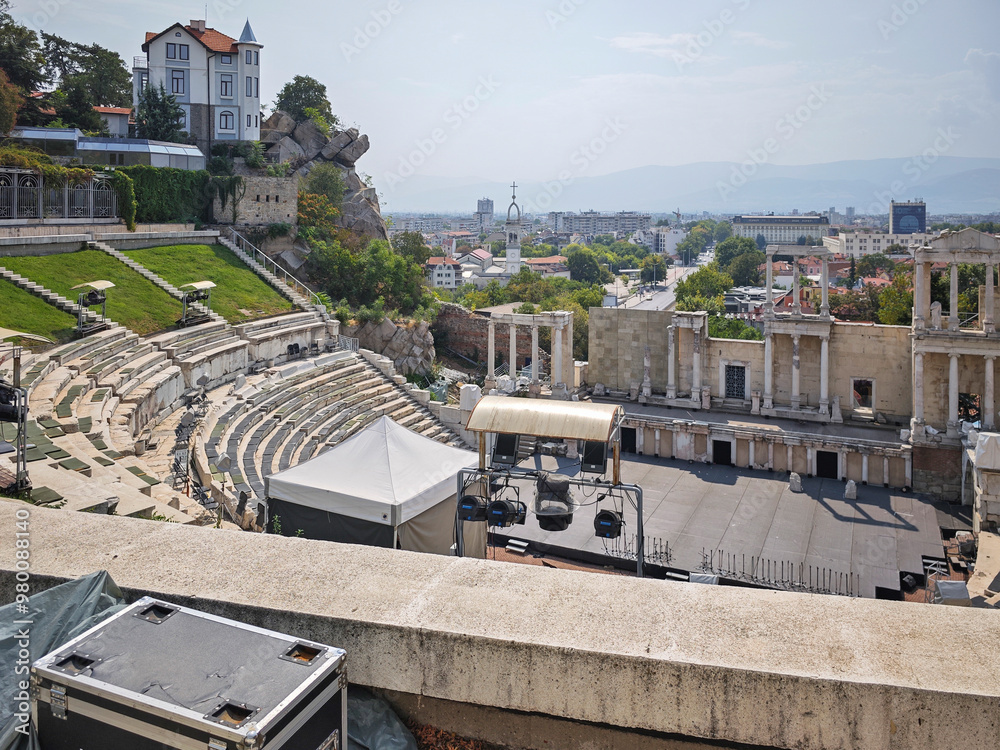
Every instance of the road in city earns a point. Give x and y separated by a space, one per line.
660 297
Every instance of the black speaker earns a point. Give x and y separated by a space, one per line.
505 449
595 457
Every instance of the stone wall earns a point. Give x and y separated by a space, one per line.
410 346
938 471
733 665
268 200
465 332
618 339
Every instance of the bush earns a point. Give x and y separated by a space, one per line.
167 195
220 165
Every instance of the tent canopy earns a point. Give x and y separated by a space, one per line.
385 474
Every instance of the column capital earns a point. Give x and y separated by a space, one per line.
954 355
825 336
989 357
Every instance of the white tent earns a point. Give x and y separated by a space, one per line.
384 484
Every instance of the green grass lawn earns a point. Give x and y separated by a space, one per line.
240 294
22 311
135 302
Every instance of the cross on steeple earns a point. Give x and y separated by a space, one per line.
513 188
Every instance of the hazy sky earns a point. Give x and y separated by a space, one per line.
526 88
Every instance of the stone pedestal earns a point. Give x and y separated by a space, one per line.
706 398
851 490
755 403
794 482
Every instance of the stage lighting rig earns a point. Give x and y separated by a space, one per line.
95 295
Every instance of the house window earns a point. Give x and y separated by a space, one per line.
227 121
171 51
256 121
227 59
226 87
249 57
177 81
256 58
116 160
249 119
143 81
256 88
249 86
185 51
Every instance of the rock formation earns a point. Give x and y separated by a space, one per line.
305 144
410 347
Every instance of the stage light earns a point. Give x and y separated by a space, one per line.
472 508
505 449
504 513
608 524
553 502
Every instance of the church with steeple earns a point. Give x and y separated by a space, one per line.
215 79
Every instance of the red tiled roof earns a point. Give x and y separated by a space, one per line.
213 40
114 110
551 260
440 261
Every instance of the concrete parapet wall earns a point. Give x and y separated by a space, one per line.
759 667
139 240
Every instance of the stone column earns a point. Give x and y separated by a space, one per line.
513 351
824 376
810 456
491 354
696 375
671 361
919 313
908 470
825 281
864 468
753 450
953 311
925 300
918 387
990 301
770 455
796 288
656 442
535 371
989 398
557 354
788 458
769 371
796 399
885 470
640 440
953 396
769 305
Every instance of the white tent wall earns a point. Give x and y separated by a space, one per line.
434 531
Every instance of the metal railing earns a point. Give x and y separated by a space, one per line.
24 195
270 265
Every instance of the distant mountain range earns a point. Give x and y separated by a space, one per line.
948 185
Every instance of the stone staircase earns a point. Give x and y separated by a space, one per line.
282 288
49 296
159 281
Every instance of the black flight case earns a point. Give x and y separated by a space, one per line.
156 676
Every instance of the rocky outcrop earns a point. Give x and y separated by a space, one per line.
306 144
409 346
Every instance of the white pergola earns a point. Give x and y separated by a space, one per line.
561 324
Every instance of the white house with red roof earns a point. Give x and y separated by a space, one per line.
215 78
443 273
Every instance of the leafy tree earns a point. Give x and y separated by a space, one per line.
101 72
22 61
728 250
302 93
411 245
761 242
76 109
745 268
525 309
723 231
895 249
10 102
315 211
653 268
707 283
700 303
896 302
852 276
583 266
732 328
861 305
158 117
326 179
872 265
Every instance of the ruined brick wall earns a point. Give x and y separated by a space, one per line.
938 471
468 334
268 200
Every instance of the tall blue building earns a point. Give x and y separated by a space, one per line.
908 218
